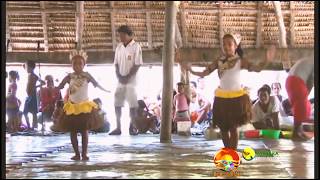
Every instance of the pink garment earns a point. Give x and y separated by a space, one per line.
181 103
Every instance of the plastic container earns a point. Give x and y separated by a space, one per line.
183 127
271 133
286 134
252 134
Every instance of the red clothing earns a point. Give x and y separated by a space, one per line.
298 97
49 96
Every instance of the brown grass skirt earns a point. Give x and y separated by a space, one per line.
80 122
231 112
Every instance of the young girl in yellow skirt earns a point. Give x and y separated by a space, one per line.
79 114
232 105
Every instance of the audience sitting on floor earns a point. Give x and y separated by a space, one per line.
266 110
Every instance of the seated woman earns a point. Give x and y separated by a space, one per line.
266 110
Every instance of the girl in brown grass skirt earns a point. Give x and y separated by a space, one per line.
79 114
232 105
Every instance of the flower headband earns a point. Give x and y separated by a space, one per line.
81 53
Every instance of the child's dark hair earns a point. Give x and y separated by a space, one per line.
239 50
268 88
180 84
97 100
264 89
14 74
194 84
275 84
59 103
31 64
125 29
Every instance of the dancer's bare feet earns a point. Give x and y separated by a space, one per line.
76 157
85 158
115 132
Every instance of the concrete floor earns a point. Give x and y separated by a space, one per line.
144 156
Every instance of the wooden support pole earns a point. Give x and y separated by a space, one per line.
221 29
149 27
45 26
282 36
259 25
8 34
113 28
80 23
281 26
292 17
167 61
184 30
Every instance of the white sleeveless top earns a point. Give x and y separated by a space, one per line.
230 79
78 89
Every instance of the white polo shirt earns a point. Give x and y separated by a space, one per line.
127 57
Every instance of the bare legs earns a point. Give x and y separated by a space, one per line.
230 138
34 121
74 142
132 128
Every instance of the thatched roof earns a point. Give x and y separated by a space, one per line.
59 24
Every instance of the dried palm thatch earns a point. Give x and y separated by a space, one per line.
201 23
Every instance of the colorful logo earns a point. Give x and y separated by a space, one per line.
227 159
248 153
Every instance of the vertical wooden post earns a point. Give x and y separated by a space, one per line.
282 28
148 23
167 64
113 29
286 63
45 27
292 17
9 48
184 30
221 30
80 23
259 25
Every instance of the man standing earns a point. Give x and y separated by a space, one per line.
127 60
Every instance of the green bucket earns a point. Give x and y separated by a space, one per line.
271 133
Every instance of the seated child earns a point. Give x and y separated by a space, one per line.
57 113
106 125
145 121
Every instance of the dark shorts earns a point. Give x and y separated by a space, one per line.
31 104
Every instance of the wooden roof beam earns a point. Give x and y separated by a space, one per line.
113 28
8 44
191 55
292 17
281 26
220 24
45 26
184 30
109 10
79 23
149 27
259 25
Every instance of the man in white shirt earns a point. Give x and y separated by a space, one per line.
127 60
